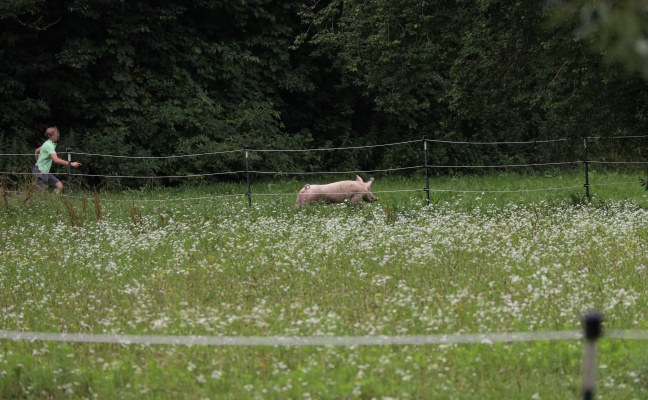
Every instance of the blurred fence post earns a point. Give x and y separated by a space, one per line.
427 174
69 168
592 325
585 163
68 150
247 173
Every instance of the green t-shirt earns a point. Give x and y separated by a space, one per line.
44 162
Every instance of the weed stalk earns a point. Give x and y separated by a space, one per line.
97 205
74 217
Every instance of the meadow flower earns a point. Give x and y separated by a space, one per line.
267 272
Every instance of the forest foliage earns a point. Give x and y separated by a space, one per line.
168 77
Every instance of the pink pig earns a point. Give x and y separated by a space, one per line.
337 192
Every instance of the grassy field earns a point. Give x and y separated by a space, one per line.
197 261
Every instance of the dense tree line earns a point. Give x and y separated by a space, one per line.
169 77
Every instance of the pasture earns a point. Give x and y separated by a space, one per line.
187 262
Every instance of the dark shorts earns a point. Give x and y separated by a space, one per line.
44 180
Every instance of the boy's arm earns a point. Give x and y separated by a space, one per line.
37 152
60 161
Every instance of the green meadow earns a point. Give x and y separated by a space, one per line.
489 254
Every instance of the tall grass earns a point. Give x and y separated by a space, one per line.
188 262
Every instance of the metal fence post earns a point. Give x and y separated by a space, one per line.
69 169
593 330
427 172
585 163
247 173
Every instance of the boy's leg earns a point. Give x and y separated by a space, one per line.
40 179
54 183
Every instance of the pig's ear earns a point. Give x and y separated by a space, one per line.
370 182
358 179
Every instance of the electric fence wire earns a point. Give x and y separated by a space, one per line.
506 191
614 183
616 162
294 341
507 165
337 172
157 157
619 137
277 194
231 151
333 148
494 143
137 176
215 197
140 200
336 148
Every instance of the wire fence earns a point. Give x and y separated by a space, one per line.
252 167
296 341
592 331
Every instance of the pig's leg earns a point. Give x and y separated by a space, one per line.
356 198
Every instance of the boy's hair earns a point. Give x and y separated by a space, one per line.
49 132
